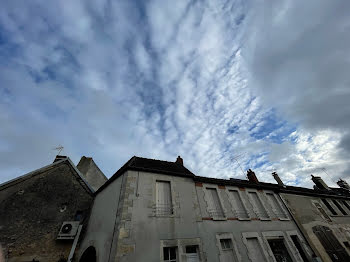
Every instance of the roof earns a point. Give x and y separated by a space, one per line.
150 165
45 168
176 169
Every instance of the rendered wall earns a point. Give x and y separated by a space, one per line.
142 234
307 216
102 221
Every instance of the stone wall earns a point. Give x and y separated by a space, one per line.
32 211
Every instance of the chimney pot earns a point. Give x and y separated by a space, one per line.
278 179
320 184
179 160
252 177
343 184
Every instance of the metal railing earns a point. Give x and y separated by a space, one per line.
216 213
164 210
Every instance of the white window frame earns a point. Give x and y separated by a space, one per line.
262 202
286 218
304 245
180 245
247 235
207 200
242 199
220 236
292 250
163 178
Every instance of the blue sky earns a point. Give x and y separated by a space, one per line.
264 84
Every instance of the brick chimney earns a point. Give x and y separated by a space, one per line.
278 179
320 184
343 184
179 161
252 177
59 158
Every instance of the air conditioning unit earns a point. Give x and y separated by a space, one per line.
68 230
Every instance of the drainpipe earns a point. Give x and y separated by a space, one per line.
301 231
75 242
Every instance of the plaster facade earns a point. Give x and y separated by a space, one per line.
310 212
126 212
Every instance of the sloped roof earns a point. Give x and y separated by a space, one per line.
150 165
36 172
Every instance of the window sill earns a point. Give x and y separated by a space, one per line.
284 219
219 218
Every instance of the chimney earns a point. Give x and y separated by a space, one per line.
320 184
179 161
277 178
59 158
343 184
252 177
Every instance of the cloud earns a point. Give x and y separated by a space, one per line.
161 79
297 54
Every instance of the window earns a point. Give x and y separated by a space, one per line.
255 251
335 202
346 204
192 254
228 254
321 210
297 244
258 206
238 207
215 208
330 208
277 209
164 205
170 254
279 250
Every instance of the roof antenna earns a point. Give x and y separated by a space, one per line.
59 149
236 159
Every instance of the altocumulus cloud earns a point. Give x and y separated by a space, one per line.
212 81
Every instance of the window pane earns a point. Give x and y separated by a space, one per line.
330 208
163 198
191 249
276 206
239 209
166 253
279 250
215 208
173 253
259 207
339 207
226 243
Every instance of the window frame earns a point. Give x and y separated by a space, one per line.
278 202
235 250
247 235
243 201
207 199
163 178
263 203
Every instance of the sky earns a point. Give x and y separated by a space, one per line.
227 85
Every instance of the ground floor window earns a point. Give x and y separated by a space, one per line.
279 250
170 254
192 253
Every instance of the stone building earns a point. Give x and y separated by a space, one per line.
323 215
42 212
152 210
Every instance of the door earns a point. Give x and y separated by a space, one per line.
331 244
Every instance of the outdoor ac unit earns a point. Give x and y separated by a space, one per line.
68 230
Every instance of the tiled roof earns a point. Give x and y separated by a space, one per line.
154 165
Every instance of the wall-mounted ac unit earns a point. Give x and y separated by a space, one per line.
68 230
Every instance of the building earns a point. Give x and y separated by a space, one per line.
323 215
152 210
42 212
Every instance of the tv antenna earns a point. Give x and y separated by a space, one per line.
59 149
236 159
